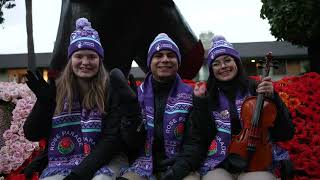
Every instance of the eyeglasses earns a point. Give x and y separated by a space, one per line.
224 61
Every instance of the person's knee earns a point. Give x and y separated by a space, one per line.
218 174
102 177
261 175
132 176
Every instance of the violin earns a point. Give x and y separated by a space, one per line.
252 144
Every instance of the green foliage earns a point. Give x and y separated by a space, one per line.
8 4
296 21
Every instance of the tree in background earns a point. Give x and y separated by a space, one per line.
206 38
8 4
296 21
31 54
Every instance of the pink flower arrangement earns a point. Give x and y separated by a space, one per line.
17 148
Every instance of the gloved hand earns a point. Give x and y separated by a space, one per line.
234 163
168 175
166 164
120 83
165 167
37 165
176 169
133 86
44 92
135 102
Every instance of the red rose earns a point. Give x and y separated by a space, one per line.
66 142
312 169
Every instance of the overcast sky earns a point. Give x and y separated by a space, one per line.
238 21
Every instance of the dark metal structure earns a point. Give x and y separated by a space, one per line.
126 29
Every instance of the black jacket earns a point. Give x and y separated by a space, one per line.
114 138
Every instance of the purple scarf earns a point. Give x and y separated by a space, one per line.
178 106
218 148
73 135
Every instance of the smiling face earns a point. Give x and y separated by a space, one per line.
164 65
85 63
224 68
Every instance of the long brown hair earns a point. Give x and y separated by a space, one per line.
67 90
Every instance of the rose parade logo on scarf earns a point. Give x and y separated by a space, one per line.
213 148
178 132
65 142
86 149
66 145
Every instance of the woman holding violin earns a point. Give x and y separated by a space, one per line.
240 130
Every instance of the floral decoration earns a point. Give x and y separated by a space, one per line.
301 94
302 97
17 148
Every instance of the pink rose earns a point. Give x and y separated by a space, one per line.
29 106
14 137
28 147
4 150
16 116
6 168
24 113
17 154
16 146
5 157
8 142
7 134
14 128
6 96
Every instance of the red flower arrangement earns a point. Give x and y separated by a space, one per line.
302 96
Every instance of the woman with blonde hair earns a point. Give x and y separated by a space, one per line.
79 114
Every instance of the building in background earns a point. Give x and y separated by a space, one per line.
293 60
13 67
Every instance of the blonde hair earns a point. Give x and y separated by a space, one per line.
67 90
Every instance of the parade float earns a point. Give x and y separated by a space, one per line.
300 93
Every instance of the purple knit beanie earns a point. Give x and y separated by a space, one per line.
84 37
162 42
220 46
